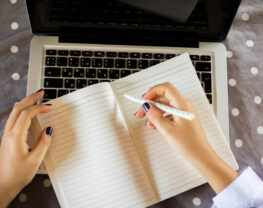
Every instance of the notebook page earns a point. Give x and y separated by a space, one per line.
170 173
92 161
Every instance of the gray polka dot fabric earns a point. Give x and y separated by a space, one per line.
245 74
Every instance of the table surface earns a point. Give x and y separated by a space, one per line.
245 75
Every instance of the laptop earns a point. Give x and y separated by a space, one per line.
78 43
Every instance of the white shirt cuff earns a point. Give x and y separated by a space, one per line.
245 191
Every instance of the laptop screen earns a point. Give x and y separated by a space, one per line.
204 20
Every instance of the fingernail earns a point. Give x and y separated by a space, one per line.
49 131
39 90
146 107
48 104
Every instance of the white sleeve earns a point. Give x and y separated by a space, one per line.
244 192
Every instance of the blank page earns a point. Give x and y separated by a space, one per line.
92 161
170 173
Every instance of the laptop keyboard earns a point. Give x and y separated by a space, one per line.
68 70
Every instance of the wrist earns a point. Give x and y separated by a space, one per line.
6 195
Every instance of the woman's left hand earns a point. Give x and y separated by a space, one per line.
19 164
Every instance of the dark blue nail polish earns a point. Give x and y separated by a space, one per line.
146 107
135 113
39 90
49 131
48 104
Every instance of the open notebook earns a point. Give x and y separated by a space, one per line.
102 156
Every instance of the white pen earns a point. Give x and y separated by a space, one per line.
167 109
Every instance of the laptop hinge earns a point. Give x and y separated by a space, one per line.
125 37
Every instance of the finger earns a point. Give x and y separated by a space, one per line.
22 105
156 117
150 125
39 151
141 113
24 120
168 91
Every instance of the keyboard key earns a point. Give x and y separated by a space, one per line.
158 55
62 92
147 55
198 74
143 64
120 63
135 55
109 63
134 71
74 62
91 73
53 83
72 90
114 74
87 53
168 56
99 54
194 57
62 61
104 80
209 97
203 66
154 62
96 62
206 78
206 58
69 83
85 62
75 53
63 53
67 72
92 81
50 94
125 73
78 72
131 63
52 72
51 52
111 54
44 101
81 83
50 61
123 55
102 73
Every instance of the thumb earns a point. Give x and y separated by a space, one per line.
155 115
42 145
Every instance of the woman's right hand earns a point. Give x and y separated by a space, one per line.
188 137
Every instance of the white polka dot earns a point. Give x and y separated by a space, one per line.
232 82
235 112
260 129
238 143
254 70
250 43
229 54
257 100
261 161
196 201
46 183
245 16
15 76
14 49
13 1
14 26
22 197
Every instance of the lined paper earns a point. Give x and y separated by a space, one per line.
92 161
170 173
